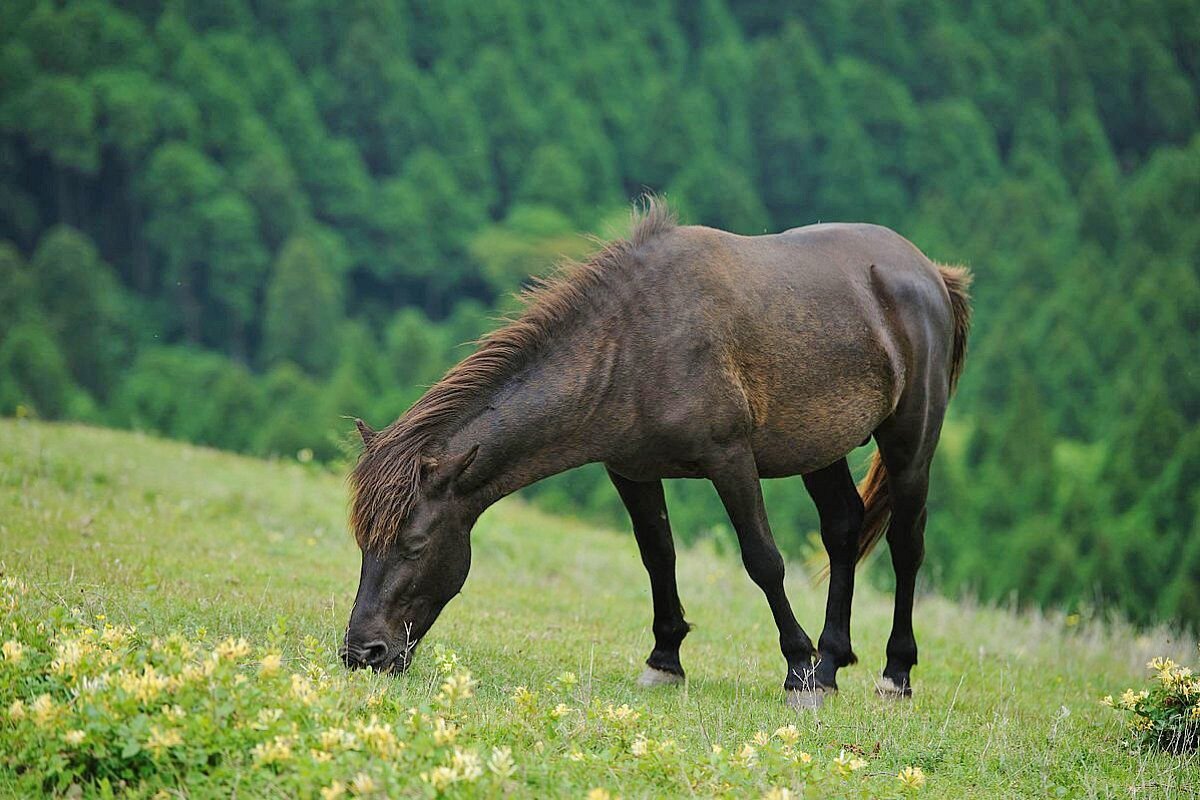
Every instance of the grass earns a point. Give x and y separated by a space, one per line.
172 538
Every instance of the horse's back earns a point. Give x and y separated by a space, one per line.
817 330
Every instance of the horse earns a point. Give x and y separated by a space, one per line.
683 352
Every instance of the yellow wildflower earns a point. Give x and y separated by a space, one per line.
787 734
466 764
378 738
599 794
748 755
567 679
302 689
640 746
622 714
43 709
779 793
761 739
457 687
145 686
1160 664
269 664
338 739
161 740
276 751
17 710
447 660
193 673
70 653
266 718
440 778
1179 677
116 636
804 758
911 778
846 763
13 651
74 738
501 763
444 732
560 710
319 756
333 791
363 783
232 649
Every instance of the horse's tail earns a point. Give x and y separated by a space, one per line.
874 488
958 284
877 506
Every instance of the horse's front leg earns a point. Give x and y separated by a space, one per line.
736 480
648 512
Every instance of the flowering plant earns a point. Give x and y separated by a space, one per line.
1166 715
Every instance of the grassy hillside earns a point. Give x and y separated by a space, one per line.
131 530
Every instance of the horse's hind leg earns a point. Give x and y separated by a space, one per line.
648 512
841 511
906 447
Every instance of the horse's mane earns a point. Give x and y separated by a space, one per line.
386 479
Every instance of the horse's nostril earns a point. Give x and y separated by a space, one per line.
374 653
371 654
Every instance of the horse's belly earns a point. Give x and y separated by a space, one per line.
798 440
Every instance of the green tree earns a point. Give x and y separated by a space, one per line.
33 373
84 306
719 194
554 179
303 310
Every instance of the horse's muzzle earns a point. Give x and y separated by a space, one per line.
378 655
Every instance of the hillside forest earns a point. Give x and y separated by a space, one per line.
235 222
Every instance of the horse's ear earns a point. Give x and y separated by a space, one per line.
365 431
457 465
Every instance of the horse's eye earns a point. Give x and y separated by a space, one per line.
411 547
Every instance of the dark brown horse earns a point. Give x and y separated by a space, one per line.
683 352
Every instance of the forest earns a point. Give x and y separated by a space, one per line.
238 222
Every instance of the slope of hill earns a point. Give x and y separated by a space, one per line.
168 537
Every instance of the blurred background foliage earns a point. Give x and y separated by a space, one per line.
234 222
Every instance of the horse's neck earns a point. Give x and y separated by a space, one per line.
552 416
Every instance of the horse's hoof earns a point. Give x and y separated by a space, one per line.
806 699
651 677
886 687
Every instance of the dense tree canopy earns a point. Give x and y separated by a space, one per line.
236 221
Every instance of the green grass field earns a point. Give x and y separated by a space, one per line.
129 530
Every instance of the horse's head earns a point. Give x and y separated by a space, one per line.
411 571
